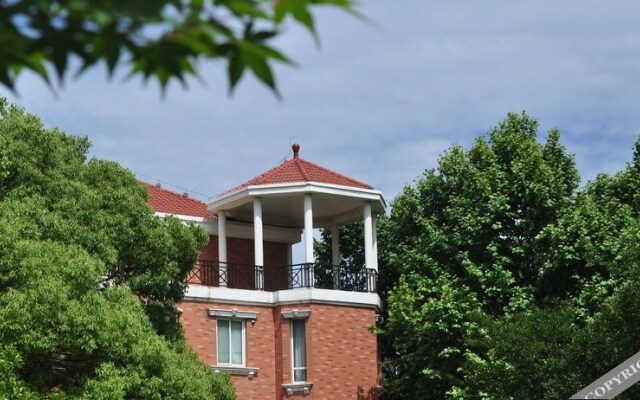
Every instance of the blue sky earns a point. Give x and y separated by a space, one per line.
377 102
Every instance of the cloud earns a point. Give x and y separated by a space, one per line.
379 102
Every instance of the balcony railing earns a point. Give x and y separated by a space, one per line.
306 275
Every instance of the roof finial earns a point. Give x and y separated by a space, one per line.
296 149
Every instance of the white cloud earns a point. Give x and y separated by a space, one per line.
379 103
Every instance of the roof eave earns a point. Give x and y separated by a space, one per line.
244 195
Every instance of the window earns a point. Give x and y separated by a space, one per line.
299 350
300 373
231 342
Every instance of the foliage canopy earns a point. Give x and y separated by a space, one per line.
159 39
89 277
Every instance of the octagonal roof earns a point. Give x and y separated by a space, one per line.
297 170
337 197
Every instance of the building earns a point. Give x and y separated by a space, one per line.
283 330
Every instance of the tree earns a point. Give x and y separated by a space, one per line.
351 246
89 277
524 356
589 286
563 312
465 240
550 353
162 39
590 240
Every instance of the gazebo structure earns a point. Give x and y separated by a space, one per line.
299 194
283 329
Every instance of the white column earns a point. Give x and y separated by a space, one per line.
222 248
308 240
375 242
308 229
257 242
368 236
335 245
335 255
257 231
290 271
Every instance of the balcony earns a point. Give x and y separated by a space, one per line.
271 279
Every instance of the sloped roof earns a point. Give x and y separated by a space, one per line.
170 202
298 170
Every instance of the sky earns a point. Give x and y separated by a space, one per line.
376 101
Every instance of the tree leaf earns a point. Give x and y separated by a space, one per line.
105 30
236 68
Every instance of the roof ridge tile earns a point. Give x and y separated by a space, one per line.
300 164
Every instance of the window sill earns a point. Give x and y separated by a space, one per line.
242 371
300 387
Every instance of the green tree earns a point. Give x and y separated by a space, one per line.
351 246
427 320
590 240
11 386
162 39
466 240
552 353
89 277
588 320
524 356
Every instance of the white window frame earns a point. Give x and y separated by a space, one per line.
306 367
244 342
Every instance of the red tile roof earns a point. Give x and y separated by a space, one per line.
298 170
167 201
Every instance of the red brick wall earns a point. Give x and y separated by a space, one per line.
342 355
199 329
278 361
241 252
210 251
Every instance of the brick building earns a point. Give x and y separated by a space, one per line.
283 330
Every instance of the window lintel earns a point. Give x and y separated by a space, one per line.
233 313
296 314
249 372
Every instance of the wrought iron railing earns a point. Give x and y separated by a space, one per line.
349 278
305 275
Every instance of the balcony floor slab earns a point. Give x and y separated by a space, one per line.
282 297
